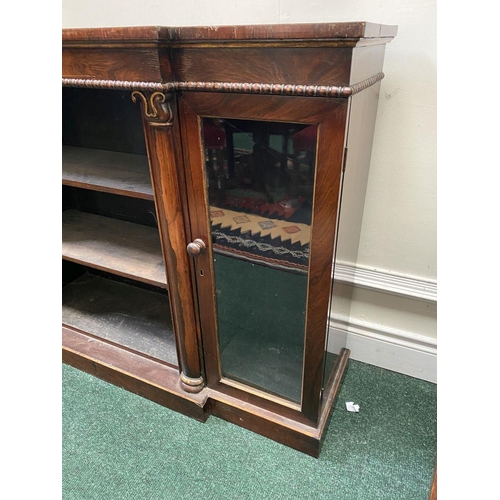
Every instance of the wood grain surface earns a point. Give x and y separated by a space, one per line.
300 66
164 152
134 372
120 247
113 63
107 171
310 31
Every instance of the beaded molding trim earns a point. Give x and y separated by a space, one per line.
239 88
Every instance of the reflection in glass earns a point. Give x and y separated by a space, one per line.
260 178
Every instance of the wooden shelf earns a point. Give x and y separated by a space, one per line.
108 171
119 247
122 314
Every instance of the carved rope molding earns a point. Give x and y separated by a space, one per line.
330 91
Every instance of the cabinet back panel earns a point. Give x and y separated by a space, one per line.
102 119
71 271
110 205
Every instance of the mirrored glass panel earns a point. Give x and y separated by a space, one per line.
260 178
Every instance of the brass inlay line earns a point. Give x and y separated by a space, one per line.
329 91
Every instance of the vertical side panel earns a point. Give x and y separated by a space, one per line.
330 156
362 116
367 61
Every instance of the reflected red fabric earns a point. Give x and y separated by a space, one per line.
305 140
214 137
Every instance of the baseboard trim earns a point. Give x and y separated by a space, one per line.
403 352
384 281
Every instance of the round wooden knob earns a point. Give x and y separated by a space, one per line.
196 247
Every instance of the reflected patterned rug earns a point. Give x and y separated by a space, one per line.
272 242
282 208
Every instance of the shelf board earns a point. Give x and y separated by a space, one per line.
108 171
123 314
119 247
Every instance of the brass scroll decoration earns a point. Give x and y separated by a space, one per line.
155 108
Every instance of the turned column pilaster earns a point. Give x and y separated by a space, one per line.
163 146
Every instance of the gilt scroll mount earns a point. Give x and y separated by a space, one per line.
155 107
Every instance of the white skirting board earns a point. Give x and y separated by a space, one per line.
403 352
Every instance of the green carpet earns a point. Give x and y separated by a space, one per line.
117 445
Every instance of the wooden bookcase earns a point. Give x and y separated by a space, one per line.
210 177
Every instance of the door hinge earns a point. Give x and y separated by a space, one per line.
345 160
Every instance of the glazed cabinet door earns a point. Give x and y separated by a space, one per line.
263 176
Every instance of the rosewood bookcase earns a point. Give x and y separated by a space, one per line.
211 178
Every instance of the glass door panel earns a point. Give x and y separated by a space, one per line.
260 179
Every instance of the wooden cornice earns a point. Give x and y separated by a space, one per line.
344 34
262 33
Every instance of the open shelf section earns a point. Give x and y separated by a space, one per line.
123 314
108 171
119 247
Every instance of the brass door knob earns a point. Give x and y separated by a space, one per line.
196 247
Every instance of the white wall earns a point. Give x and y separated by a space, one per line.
398 238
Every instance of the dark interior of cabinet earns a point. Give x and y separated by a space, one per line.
113 274
102 119
119 207
121 311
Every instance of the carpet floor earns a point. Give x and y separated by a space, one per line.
116 445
